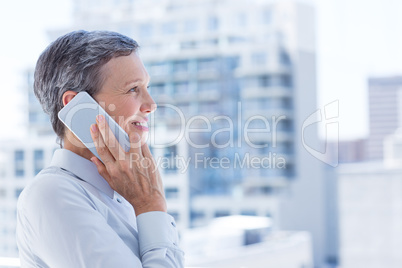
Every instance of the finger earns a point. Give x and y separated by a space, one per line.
135 143
152 167
108 137
100 145
101 168
146 152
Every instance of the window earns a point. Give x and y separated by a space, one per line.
213 23
169 156
19 163
289 170
3 213
175 215
241 20
208 107
248 213
191 26
258 105
3 193
38 161
286 81
207 65
146 30
32 117
180 67
283 147
197 215
264 81
266 16
259 58
171 193
18 192
188 45
181 88
208 86
221 214
157 89
169 28
2 170
158 69
185 109
31 97
284 125
287 103
236 40
281 80
284 58
231 63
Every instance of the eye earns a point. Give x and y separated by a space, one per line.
134 89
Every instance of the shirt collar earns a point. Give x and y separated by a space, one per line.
82 168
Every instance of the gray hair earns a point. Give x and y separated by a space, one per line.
73 62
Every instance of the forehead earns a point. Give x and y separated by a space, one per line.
121 70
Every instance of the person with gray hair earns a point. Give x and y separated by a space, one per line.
80 211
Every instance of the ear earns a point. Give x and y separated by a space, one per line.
68 96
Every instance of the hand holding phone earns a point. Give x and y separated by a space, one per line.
135 176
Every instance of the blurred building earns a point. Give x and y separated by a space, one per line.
370 210
385 112
245 241
348 151
21 161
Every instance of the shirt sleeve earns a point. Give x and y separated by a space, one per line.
158 240
59 225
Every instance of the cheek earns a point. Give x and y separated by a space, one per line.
124 108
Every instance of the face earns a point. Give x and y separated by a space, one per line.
124 94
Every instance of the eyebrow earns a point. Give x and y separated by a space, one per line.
135 82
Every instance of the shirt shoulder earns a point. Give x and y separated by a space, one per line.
50 188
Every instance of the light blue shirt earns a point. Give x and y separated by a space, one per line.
68 216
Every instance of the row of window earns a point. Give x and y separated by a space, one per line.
212 86
184 88
3 193
193 26
19 162
219 65
187 109
283 80
266 104
191 66
199 215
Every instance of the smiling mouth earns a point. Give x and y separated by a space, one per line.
141 125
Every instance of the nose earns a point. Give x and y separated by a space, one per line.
148 104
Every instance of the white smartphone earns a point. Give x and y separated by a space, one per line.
80 113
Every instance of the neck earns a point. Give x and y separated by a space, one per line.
71 143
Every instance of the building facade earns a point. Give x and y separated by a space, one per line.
22 160
385 112
370 212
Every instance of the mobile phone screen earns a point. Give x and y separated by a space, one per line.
80 113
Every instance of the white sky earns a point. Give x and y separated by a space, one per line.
356 39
